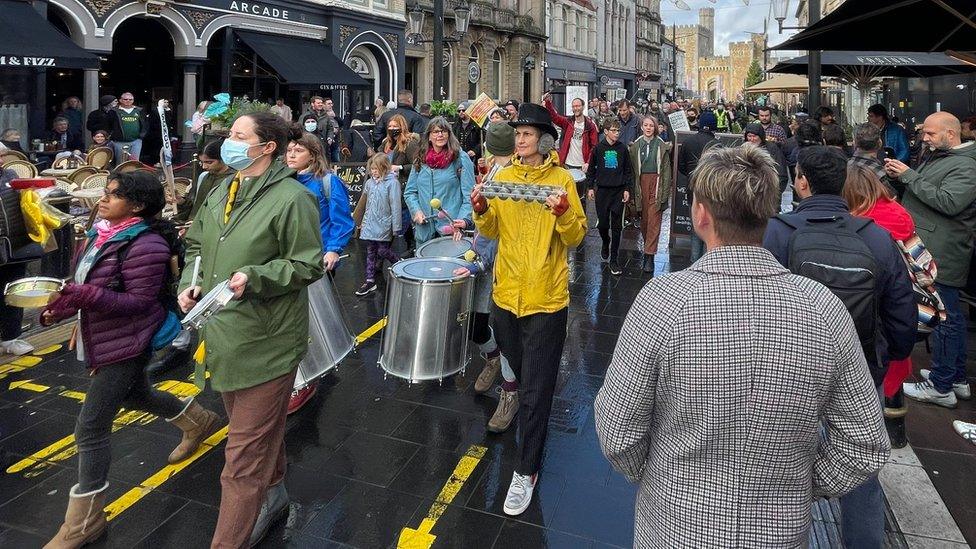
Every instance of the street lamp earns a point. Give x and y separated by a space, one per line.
780 10
415 20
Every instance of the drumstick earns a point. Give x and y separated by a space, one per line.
435 203
195 276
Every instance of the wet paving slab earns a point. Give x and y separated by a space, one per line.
369 456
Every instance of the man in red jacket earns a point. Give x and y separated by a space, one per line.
579 138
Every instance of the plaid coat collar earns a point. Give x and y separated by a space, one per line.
739 261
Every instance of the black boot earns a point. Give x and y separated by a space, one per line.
647 264
176 358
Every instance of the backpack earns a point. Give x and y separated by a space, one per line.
830 251
922 271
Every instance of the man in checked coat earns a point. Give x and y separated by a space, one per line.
738 391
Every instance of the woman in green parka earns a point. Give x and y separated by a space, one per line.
259 229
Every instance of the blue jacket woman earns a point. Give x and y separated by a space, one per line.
305 155
441 171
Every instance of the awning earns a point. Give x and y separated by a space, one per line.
861 68
28 40
868 25
790 83
303 64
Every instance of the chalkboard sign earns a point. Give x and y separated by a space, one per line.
681 200
354 175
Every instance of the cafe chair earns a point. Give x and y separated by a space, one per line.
100 157
80 174
8 156
23 168
129 166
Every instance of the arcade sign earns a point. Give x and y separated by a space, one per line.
26 61
264 10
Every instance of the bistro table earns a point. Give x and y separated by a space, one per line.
58 173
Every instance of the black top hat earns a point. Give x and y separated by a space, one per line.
530 114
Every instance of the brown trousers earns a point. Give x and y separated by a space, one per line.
650 212
254 458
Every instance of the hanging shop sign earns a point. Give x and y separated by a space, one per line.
26 61
474 72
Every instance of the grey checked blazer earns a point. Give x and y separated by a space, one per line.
737 393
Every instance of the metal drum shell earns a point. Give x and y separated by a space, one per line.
426 335
329 339
32 292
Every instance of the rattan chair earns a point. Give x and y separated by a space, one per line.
65 185
129 166
100 157
61 163
94 181
22 168
10 156
182 186
81 174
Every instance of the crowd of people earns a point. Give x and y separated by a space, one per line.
771 371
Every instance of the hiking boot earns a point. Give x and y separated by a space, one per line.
300 397
647 264
274 508
488 374
367 288
16 347
197 423
960 388
505 412
519 494
84 521
615 268
965 430
924 391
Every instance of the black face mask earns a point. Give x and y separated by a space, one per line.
395 133
12 145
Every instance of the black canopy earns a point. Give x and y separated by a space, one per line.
29 40
859 68
303 64
902 25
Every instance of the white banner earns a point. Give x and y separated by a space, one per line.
678 121
575 92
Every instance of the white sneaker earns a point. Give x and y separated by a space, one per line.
520 493
924 391
965 430
16 347
961 389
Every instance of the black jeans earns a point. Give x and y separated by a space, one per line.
533 345
112 387
10 317
610 216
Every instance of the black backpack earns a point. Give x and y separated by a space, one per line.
830 251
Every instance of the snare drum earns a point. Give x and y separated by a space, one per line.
445 246
33 292
427 307
578 175
329 340
211 304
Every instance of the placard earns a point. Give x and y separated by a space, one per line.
575 92
481 108
354 175
678 121
681 199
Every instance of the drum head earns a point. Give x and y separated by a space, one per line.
439 269
444 246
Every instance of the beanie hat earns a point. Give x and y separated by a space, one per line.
500 139
707 121
755 129
105 100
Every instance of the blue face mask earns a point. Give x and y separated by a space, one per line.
234 154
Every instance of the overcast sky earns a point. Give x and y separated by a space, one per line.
733 20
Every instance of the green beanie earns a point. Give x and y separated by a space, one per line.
500 139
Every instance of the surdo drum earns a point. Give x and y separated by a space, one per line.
427 307
445 246
329 340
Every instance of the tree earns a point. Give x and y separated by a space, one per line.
755 75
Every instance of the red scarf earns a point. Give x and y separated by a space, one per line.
438 160
106 231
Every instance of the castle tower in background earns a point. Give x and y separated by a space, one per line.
697 41
706 24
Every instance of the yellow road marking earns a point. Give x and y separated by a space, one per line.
80 397
28 386
65 448
18 365
421 538
129 498
48 350
371 331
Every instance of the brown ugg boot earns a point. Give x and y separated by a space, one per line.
197 423
84 521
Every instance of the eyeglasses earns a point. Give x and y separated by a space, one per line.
438 131
112 194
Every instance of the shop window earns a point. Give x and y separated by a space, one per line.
496 74
473 86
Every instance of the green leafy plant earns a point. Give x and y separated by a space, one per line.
443 108
237 107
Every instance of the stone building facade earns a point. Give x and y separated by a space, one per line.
724 77
696 41
501 54
649 45
617 48
572 46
